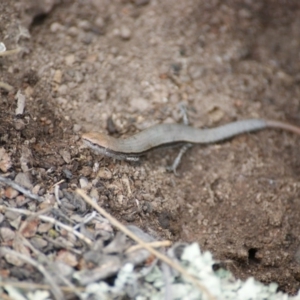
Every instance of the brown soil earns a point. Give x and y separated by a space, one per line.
122 66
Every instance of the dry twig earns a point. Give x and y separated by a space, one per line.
156 244
36 286
20 189
10 52
6 86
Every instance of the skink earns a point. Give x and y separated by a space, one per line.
133 147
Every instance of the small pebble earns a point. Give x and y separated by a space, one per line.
86 171
84 24
73 31
94 194
100 23
113 50
19 124
11 193
21 200
24 180
63 89
2 47
38 242
68 174
83 182
102 94
57 77
77 127
65 155
195 71
104 173
36 189
6 234
79 77
139 104
86 38
70 59
64 269
148 197
125 33
55 27
11 215
44 227
16 222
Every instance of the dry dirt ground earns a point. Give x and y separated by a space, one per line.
121 66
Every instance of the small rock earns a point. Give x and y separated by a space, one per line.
5 162
2 47
11 193
120 199
67 258
63 89
38 242
21 200
57 77
102 94
79 77
13 260
77 127
139 104
86 171
114 50
6 234
30 228
44 227
28 91
63 269
11 215
61 101
73 31
125 33
26 159
24 180
195 71
148 197
19 124
83 182
104 173
94 194
84 24
216 114
65 155
86 38
36 189
55 27
70 59
16 223
68 174
100 23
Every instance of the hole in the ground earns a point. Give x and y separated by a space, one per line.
252 255
39 19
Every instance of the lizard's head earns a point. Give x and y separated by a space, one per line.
100 140
106 145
